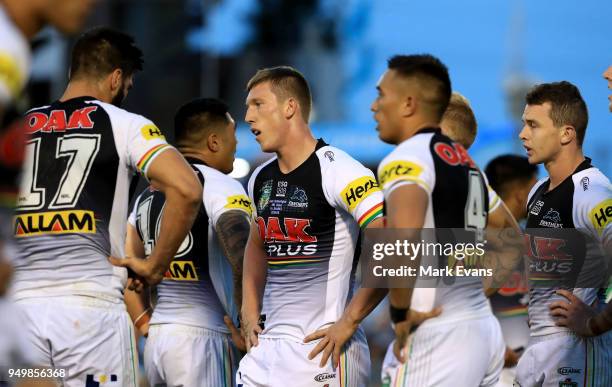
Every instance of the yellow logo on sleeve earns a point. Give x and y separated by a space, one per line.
357 190
61 222
601 215
241 202
400 170
151 132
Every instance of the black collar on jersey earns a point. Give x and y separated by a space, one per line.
586 164
428 130
193 160
320 144
75 99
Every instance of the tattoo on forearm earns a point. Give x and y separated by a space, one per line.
233 229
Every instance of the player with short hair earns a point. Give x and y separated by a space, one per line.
574 196
311 201
188 342
82 154
439 187
20 21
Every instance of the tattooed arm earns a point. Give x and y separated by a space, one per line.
233 232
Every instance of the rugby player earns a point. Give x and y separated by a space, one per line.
310 202
19 22
574 196
188 343
70 217
439 186
460 125
512 177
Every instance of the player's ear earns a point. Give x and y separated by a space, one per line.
116 79
408 106
568 134
291 107
213 142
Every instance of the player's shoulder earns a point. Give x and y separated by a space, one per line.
264 167
331 157
117 112
591 188
218 181
591 181
536 187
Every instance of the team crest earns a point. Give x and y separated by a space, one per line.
264 195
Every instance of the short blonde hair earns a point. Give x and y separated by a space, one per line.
460 121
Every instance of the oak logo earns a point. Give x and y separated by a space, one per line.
151 132
453 155
56 120
295 230
181 271
357 190
62 222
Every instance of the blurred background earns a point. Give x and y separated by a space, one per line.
494 50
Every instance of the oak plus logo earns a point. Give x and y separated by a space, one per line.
58 121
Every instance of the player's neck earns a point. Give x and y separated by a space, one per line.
298 146
77 89
193 153
20 14
562 166
412 129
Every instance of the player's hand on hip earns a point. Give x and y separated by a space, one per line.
332 340
250 332
573 313
141 267
404 328
236 335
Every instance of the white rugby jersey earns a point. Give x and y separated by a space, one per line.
73 202
197 290
15 59
582 202
309 220
458 199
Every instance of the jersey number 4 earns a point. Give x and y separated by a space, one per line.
81 150
475 211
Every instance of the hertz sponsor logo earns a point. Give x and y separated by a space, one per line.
181 271
357 190
241 202
150 132
601 215
62 222
404 170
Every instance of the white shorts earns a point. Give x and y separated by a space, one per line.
282 363
90 337
566 360
464 353
185 356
